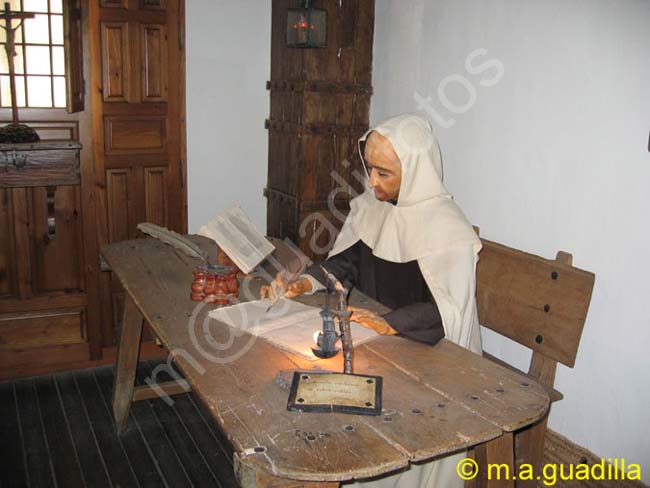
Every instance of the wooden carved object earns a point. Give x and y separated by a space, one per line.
215 284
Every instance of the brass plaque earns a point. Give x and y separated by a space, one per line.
335 392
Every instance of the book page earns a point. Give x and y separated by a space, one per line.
236 235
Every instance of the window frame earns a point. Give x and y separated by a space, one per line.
71 44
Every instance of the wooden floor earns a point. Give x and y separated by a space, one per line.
58 430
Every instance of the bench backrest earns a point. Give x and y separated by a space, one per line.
537 302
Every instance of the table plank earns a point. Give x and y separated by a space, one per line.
498 395
251 407
419 421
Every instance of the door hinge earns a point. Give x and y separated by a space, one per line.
180 173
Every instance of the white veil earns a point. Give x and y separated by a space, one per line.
424 225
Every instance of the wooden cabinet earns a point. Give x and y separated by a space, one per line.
320 103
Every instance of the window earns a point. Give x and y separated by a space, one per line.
40 58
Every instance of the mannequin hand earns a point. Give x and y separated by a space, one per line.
288 290
371 320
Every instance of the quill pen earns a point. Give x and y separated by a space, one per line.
174 239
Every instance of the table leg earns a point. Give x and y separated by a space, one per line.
128 351
249 477
529 448
269 481
496 463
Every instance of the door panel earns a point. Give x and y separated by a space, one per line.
115 58
156 195
113 3
154 59
7 241
153 4
135 134
58 246
121 218
22 242
42 329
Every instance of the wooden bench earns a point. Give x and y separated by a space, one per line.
541 304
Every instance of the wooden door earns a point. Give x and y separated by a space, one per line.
138 101
49 314
57 309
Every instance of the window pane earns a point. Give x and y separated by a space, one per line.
37 30
18 60
56 6
57 29
59 91
5 91
4 67
38 60
39 65
40 91
35 5
20 91
58 61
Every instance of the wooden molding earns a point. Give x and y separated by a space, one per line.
169 388
559 450
314 129
280 195
39 164
148 350
322 86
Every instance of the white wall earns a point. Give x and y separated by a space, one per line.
552 157
228 63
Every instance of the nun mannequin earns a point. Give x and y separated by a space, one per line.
406 244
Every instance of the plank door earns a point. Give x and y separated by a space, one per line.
138 100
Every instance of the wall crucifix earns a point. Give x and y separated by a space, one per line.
8 16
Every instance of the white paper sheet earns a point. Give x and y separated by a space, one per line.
289 325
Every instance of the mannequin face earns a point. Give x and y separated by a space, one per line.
384 167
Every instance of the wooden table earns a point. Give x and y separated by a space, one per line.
436 400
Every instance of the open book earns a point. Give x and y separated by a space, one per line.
236 235
289 325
